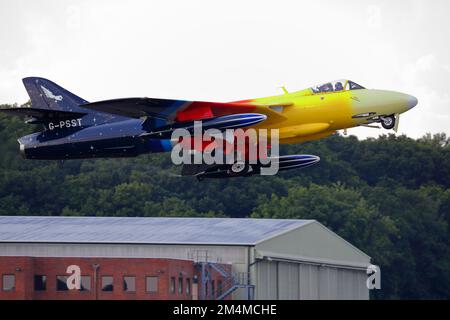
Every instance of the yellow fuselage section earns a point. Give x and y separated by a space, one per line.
307 116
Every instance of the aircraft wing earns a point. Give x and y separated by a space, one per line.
181 110
137 107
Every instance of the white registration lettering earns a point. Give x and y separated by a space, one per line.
65 124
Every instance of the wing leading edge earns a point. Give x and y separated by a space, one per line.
181 110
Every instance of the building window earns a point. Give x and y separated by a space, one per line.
180 285
172 285
61 283
188 286
40 283
9 282
107 283
151 284
129 284
85 283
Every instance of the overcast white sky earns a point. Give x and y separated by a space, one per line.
231 50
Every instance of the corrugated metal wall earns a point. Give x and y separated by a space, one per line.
289 280
222 254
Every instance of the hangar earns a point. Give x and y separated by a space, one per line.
178 258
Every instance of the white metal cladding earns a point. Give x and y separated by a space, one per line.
309 282
222 254
267 282
151 230
286 280
313 243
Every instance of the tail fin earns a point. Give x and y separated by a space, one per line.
45 94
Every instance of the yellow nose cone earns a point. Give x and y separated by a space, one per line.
380 102
412 102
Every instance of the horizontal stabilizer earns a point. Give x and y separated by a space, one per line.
34 115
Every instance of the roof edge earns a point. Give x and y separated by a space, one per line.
277 234
312 260
130 243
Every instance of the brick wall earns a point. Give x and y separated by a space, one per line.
24 269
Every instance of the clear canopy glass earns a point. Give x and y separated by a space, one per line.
336 86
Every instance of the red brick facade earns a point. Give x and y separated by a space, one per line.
168 273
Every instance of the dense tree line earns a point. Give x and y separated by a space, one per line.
389 196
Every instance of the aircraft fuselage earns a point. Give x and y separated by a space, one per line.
75 128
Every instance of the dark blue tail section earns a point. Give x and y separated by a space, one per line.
45 94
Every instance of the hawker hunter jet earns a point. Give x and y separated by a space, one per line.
74 128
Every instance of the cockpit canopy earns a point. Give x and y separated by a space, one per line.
336 86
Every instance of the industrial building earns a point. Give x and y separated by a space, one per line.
178 258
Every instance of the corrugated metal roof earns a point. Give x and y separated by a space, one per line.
231 231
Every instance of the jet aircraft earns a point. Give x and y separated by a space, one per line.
73 128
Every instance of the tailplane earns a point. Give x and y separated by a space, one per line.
50 102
